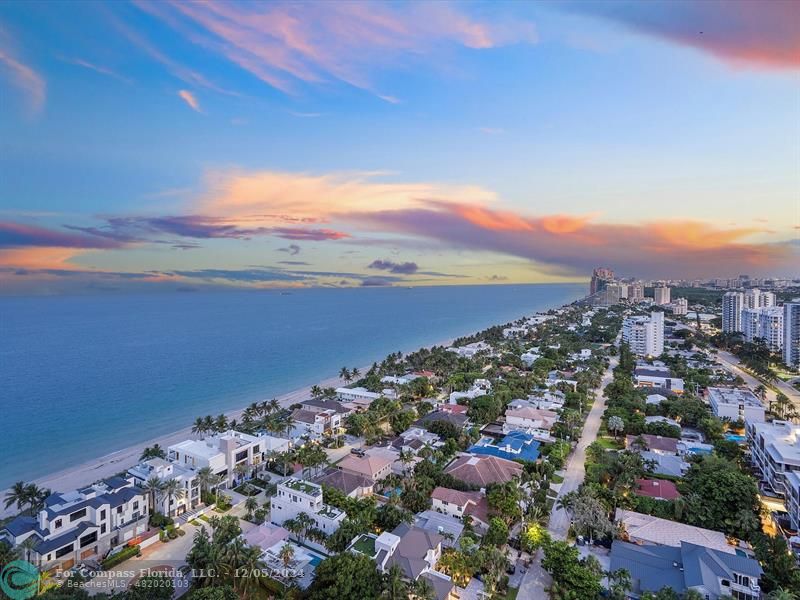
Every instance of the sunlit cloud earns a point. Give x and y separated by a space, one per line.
743 33
79 62
190 100
284 43
22 76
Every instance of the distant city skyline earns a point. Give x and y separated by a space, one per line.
164 145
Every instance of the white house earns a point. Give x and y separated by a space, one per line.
480 387
470 350
189 496
359 396
735 404
222 453
80 525
295 496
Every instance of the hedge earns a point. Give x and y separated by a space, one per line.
121 556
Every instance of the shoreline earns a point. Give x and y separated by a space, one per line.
110 464
85 473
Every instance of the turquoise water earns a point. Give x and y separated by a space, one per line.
315 560
735 437
84 376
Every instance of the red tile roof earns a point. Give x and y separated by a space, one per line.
657 488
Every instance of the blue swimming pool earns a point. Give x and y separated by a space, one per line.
695 450
315 560
735 437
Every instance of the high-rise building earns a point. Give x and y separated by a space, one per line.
661 295
749 323
600 278
645 335
770 327
680 306
635 292
732 311
791 333
755 298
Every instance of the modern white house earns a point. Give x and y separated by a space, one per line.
359 396
735 404
775 452
460 504
522 415
295 496
649 377
480 387
222 453
470 350
187 499
530 357
81 525
645 335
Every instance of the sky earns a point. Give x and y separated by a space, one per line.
172 145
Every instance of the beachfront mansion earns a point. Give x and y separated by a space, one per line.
81 525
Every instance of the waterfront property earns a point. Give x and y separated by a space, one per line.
356 398
188 496
712 573
736 404
226 454
80 525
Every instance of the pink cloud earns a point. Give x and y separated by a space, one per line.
21 75
742 33
282 43
190 100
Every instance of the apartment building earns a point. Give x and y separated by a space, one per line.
295 496
765 324
735 404
187 499
791 333
645 335
81 525
775 452
223 454
661 295
734 303
680 306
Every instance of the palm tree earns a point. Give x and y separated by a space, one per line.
199 426
172 490
17 494
615 424
354 373
316 391
274 405
344 373
288 424
221 423
154 486
208 424
394 585
156 451
240 470
422 589
286 554
36 497
304 523
781 594
250 505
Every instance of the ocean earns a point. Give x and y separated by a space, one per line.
83 376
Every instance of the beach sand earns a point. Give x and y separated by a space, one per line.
100 468
84 474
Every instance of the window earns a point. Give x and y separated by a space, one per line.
741 579
89 538
103 514
241 455
136 505
79 514
63 551
103 528
57 523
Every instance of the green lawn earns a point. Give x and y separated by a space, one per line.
556 478
512 594
609 443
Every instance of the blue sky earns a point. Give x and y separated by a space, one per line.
502 142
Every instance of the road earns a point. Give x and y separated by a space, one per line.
576 467
536 579
732 363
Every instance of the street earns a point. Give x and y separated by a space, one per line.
732 363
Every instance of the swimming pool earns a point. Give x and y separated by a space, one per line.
696 450
315 560
735 437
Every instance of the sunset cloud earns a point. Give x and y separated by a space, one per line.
406 268
284 43
21 75
743 33
190 99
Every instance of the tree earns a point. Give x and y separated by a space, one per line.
394 586
225 592
286 555
171 489
18 494
504 498
615 425
346 575
156 451
780 571
573 578
344 373
497 535
590 517
154 486
199 426
619 583
533 536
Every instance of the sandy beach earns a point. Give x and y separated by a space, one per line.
121 460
